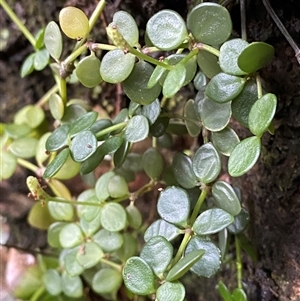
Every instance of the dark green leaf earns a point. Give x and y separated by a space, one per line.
138 276
152 162
212 221
121 153
240 222
244 156
239 295
192 120
174 205
183 170
225 197
152 111
207 163
100 125
159 127
210 262
83 146
58 138
224 87
200 80
184 264
255 56
73 112
210 23
137 129
208 63
83 123
166 29
55 165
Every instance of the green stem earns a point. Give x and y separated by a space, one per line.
28 165
63 89
147 187
182 246
38 293
189 56
46 96
198 205
243 19
18 22
147 58
259 87
96 13
111 129
238 262
95 46
208 48
116 266
73 56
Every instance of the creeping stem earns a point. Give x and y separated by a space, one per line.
238 261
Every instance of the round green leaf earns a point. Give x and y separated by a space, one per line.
224 87
27 66
91 226
240 222
72 286
174 205
108 241
152 111
86 211
210 23
113 217
165 140
84 122
184 264
159 127
61 211
53 234
174 80
136 85
158 74
17 130
73 112
55 165
117 187
83 146
166 29
35 116
71 265
24 147
200 81
255 56
101 186
90 255
57 106
106 281
41 59
69 169
138 276
134 216
206 163
58 138
214 116
126 25
171 291
210 261
152 162
8 165
52 282
137 129
53 40
212 221
70 236
192 122
244 156
208 63
243 103
39 38
73 22
39 217
116 66
158 253
229 53
224 292
161 228
262 113
225 197
225 140
239 295
183 170
88 71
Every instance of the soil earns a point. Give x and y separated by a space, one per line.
271 190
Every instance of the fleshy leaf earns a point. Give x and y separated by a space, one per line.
53 40
83 123
90 255
52 282
225 197
72 286
210 23
113 217
106 281
58 138
24 147
152 162
166 29
174 205
108 241
244 156
138 276
70 236
212 221
171 291
206 163
137 129
174 80
208 63
192 122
